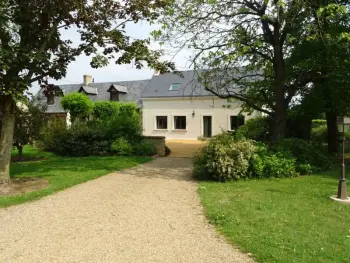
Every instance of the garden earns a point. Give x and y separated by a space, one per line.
49 155
272 199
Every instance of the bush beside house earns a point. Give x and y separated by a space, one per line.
231 157
112 128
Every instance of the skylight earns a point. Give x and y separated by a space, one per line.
175 86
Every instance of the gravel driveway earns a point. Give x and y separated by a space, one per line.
150 213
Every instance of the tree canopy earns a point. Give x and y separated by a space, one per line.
32 46
258 51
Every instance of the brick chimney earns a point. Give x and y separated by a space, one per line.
87 80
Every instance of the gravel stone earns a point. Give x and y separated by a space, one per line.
150 213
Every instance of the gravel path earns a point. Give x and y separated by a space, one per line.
150 213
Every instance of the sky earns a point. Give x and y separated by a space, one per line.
112 72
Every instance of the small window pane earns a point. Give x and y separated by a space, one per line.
162 122
236 121
180 122
175 86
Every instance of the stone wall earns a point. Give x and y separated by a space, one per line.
158 142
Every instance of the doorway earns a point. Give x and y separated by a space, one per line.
207 126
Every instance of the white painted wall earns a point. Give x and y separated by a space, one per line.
170 107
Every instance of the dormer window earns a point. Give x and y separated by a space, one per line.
114 95
50 98
115 91
175 87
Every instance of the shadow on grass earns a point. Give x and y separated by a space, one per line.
51 167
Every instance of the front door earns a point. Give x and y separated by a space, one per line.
207 126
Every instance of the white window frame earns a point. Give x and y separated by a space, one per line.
155 122
229 120
179 115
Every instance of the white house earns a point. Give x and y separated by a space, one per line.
178 107
174 106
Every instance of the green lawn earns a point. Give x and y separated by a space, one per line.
282 221
64 172
30 151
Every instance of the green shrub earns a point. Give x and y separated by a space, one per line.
51 134
318 122
121 147
319 134
122 126
79 105
81 140
265 164
104 110
255 129
129 109
305 153
224 159
144 148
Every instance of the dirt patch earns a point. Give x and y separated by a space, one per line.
23 185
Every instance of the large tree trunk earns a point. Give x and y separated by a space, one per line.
279 123
332 133
7 109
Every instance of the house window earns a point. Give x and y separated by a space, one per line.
114 95
175 87
236 121
162 122
50 99
180 122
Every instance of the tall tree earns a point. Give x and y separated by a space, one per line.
327 50
32 46
244 44
246 47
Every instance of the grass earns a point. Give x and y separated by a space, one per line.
30 151
62 173
282 220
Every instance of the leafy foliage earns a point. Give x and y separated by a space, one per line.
105 109
257 129
305 153
265 164
319 134
144 148
318 122
121 147
33 46
95 137
30 118
80 140
287 48
51 134
79 105
224 159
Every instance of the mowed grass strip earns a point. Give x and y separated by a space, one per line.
62 172
282 220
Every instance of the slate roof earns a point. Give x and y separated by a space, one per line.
159 85
130 92
88 90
